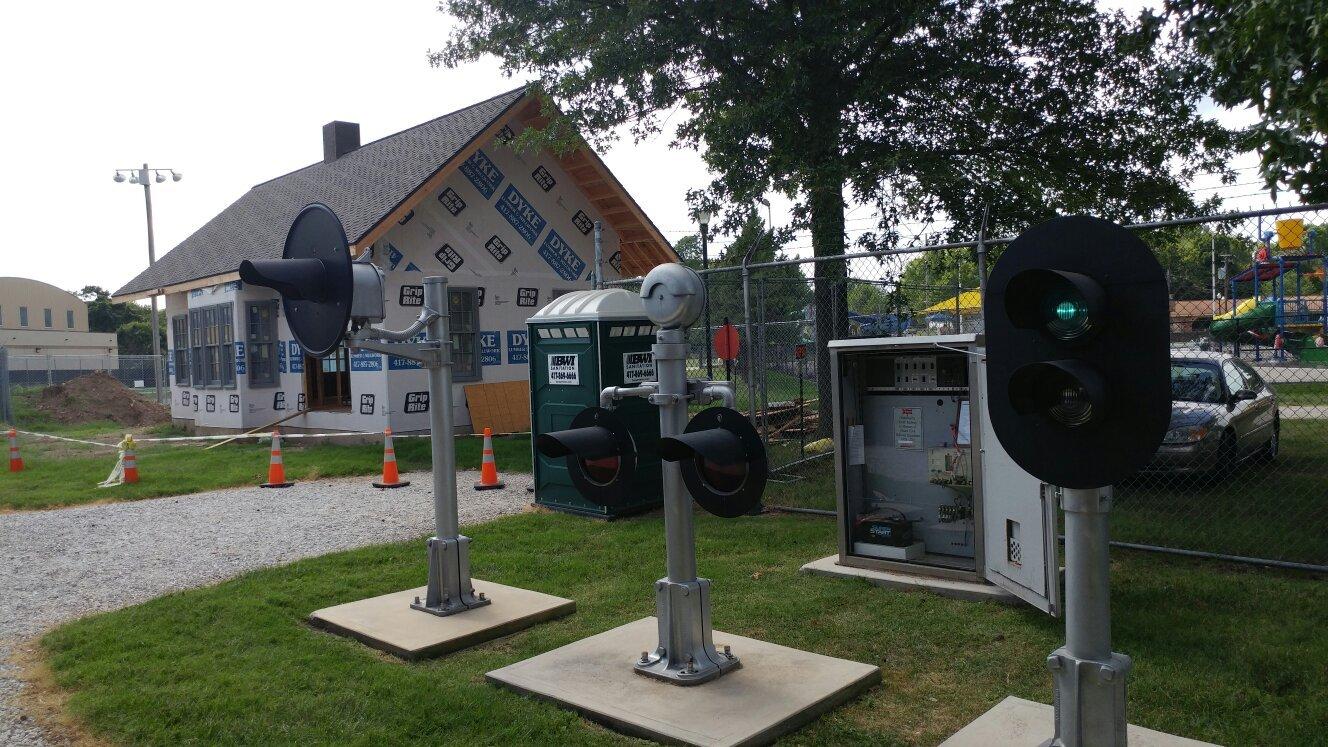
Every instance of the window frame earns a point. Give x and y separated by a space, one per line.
180 355
69 318
48 318
23 316
465 343
262 366
212 345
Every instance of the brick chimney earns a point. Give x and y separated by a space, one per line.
339 138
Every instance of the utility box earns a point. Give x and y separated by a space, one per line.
581 343
924 487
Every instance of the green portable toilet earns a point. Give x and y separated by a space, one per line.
581 343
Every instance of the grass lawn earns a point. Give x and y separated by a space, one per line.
1222 654
60 473
1309 394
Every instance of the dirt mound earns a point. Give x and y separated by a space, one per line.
98 396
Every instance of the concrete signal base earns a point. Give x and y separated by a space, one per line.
389 624
1022 723
776 690
971 591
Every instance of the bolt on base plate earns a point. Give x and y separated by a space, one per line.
1089 700
450 589
686 653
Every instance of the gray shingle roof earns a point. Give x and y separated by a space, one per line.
363 187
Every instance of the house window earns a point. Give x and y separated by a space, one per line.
180 338
261 334
46 317
23 316
463 321
69 318
212 338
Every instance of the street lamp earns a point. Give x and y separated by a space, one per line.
144 176
703 218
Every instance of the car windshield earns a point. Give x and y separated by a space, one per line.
1195 382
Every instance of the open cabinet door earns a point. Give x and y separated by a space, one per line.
1019 529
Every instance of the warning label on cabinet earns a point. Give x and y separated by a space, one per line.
638 367
563 369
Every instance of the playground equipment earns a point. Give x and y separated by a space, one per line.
1279 309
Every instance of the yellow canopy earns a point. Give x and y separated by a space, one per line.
970 302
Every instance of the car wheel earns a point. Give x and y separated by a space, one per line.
1269 451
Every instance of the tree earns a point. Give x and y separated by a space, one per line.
1272 55
937 276
917 106
131 323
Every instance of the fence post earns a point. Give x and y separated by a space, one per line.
751 342
982 256
763 367
6 409
49 363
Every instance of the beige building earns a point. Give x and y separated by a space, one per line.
40 319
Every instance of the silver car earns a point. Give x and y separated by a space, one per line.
1222 412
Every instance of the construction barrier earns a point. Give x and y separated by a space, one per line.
488 467
276 469
391 479
15 461
126 466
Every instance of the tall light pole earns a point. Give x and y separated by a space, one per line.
145 176
703 218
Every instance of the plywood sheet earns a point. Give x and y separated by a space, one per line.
503 406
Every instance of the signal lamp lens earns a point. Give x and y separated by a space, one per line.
601 471
1066 316
1073 407
723 478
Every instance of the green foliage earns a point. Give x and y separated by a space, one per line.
131 323
921 106
1270 54
936 276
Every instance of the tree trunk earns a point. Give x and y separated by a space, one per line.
826 200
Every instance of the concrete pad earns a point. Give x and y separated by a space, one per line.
388 623
776 690
967 590
1022 723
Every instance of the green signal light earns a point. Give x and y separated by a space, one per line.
1069 310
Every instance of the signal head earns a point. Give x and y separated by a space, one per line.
674 295
599 452
722 459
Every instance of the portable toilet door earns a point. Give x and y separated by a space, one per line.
581 343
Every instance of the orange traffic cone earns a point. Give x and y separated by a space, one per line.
488 468
15 461
390 477
130 460
276 471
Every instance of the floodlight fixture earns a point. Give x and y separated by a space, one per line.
119 177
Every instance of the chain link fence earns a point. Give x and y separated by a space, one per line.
137 372
1243 472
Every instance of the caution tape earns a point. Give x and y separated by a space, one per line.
256 436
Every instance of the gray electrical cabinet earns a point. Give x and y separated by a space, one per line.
923 484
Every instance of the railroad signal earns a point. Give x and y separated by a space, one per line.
321 288
1077 328
599 452
723 461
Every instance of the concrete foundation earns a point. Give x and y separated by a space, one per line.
389 624
1016 722
967 590
776 690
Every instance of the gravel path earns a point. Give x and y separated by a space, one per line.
115 555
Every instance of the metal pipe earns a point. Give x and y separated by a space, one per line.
1088 598
152 259
427 316
747 327
982 253
609 394
722 390
446 524
680 536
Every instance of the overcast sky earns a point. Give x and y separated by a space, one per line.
231 95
